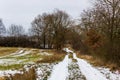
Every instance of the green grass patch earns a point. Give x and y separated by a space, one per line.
33 56
9 67
71 56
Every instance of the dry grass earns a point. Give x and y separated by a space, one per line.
34 56
98 62
30 75
55 57
2 78
27 75
7 50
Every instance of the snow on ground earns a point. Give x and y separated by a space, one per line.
87 70
9 72
45 54
90 72
60 71
67 50
74 71
12 58
93 73
44 70
15 58
110 75
23 53
12 54
6 62
18 52
64 70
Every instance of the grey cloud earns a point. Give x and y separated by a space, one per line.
23 11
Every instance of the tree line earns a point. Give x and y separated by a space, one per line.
47 31
102 30
97 32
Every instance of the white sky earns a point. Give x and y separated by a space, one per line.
23 11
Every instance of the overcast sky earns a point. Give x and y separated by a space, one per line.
23 11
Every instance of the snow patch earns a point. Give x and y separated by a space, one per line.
44 70
90 72
9 61
87 70
9 72
45 53
67 50
12 54
18 52
22 54
13 72
110 75
60 71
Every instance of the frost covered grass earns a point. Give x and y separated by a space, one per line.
44 60
110 75
44 70
18 59
27 73
25 56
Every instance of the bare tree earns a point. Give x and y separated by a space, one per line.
51 28
39 28
2 28
60 22
16 30
104 18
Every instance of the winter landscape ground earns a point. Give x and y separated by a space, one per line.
35 64
59 39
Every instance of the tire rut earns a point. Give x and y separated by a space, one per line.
74 71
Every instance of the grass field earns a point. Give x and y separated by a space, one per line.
7 50
16 58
